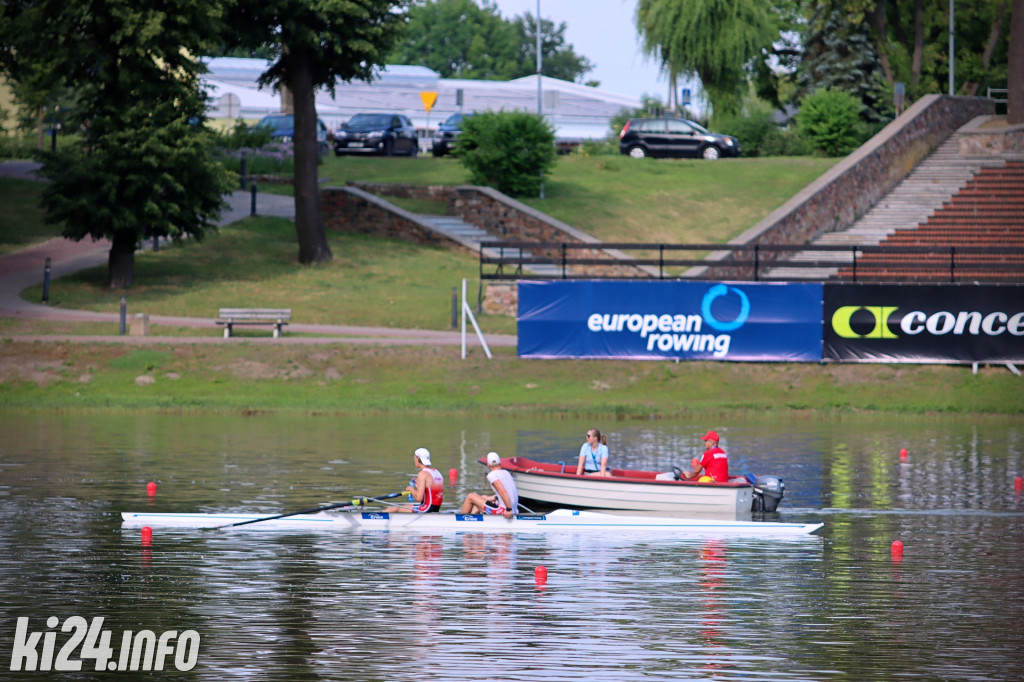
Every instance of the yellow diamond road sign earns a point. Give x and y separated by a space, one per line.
428 97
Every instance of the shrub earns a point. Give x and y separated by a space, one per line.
831 121
507 150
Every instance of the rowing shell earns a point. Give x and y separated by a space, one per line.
558 520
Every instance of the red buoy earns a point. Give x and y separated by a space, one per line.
147 536
151 489
540 575
903 453
1018 484
453 475
897 549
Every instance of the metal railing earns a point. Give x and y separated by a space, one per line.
513 260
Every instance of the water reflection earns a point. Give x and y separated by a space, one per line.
375 606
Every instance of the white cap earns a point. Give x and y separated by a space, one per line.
423 455
493 458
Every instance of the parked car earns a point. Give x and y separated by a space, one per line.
386 134
447 132
642 137
282 129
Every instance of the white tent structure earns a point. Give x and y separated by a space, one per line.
576 111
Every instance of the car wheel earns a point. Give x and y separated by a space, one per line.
414 152
637 152
710 153
388 148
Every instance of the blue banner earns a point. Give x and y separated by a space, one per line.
670 320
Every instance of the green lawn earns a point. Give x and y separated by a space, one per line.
616 198
254 263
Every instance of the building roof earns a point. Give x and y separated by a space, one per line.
576 111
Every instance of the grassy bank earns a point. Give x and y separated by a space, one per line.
350 379
616 198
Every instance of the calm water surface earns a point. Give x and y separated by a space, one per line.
835 606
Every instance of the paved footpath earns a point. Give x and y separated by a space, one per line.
25 267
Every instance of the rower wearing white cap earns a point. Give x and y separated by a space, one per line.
427 488
505 499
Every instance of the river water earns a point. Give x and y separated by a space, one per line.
362 607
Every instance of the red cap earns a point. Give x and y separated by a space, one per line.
711 436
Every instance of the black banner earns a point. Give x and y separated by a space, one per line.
924 323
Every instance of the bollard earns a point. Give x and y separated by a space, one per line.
46 281
124 313
156 243
455 309
53 138
243 171
252 210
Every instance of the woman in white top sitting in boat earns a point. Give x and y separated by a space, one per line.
594 455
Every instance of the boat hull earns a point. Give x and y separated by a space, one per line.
628 490
561 520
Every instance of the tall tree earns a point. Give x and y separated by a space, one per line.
315 43
146 169
712 39
558 59
463 39
458 39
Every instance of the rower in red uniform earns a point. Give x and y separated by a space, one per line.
715 463
428 491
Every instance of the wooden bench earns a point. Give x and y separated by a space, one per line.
275 317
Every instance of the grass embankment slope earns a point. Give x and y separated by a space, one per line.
381 282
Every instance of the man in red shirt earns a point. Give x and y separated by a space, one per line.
715 463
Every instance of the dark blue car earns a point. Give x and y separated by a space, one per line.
447 132
385 133
282 129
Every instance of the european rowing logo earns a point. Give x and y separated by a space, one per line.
716 292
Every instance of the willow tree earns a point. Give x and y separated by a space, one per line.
712 39
314 43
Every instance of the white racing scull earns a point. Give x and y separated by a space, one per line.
558 520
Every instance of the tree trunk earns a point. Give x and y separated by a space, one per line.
882 39
1015 71
121 260
990 47
309 221
918 55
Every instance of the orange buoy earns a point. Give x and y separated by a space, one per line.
151 489
147 536
1018 484
453 475
540 575
903 453
897 549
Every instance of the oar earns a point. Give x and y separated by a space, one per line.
357 502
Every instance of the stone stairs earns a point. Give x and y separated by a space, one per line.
472 237
933 182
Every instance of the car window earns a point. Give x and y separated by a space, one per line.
652 126
369 120
699 128
677 127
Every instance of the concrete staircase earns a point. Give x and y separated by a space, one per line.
472 237
907 205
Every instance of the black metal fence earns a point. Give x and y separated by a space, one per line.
513 260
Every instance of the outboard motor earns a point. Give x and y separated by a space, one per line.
767 493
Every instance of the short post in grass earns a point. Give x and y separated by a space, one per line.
455 308
124 314
46 281
243 171
252 209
